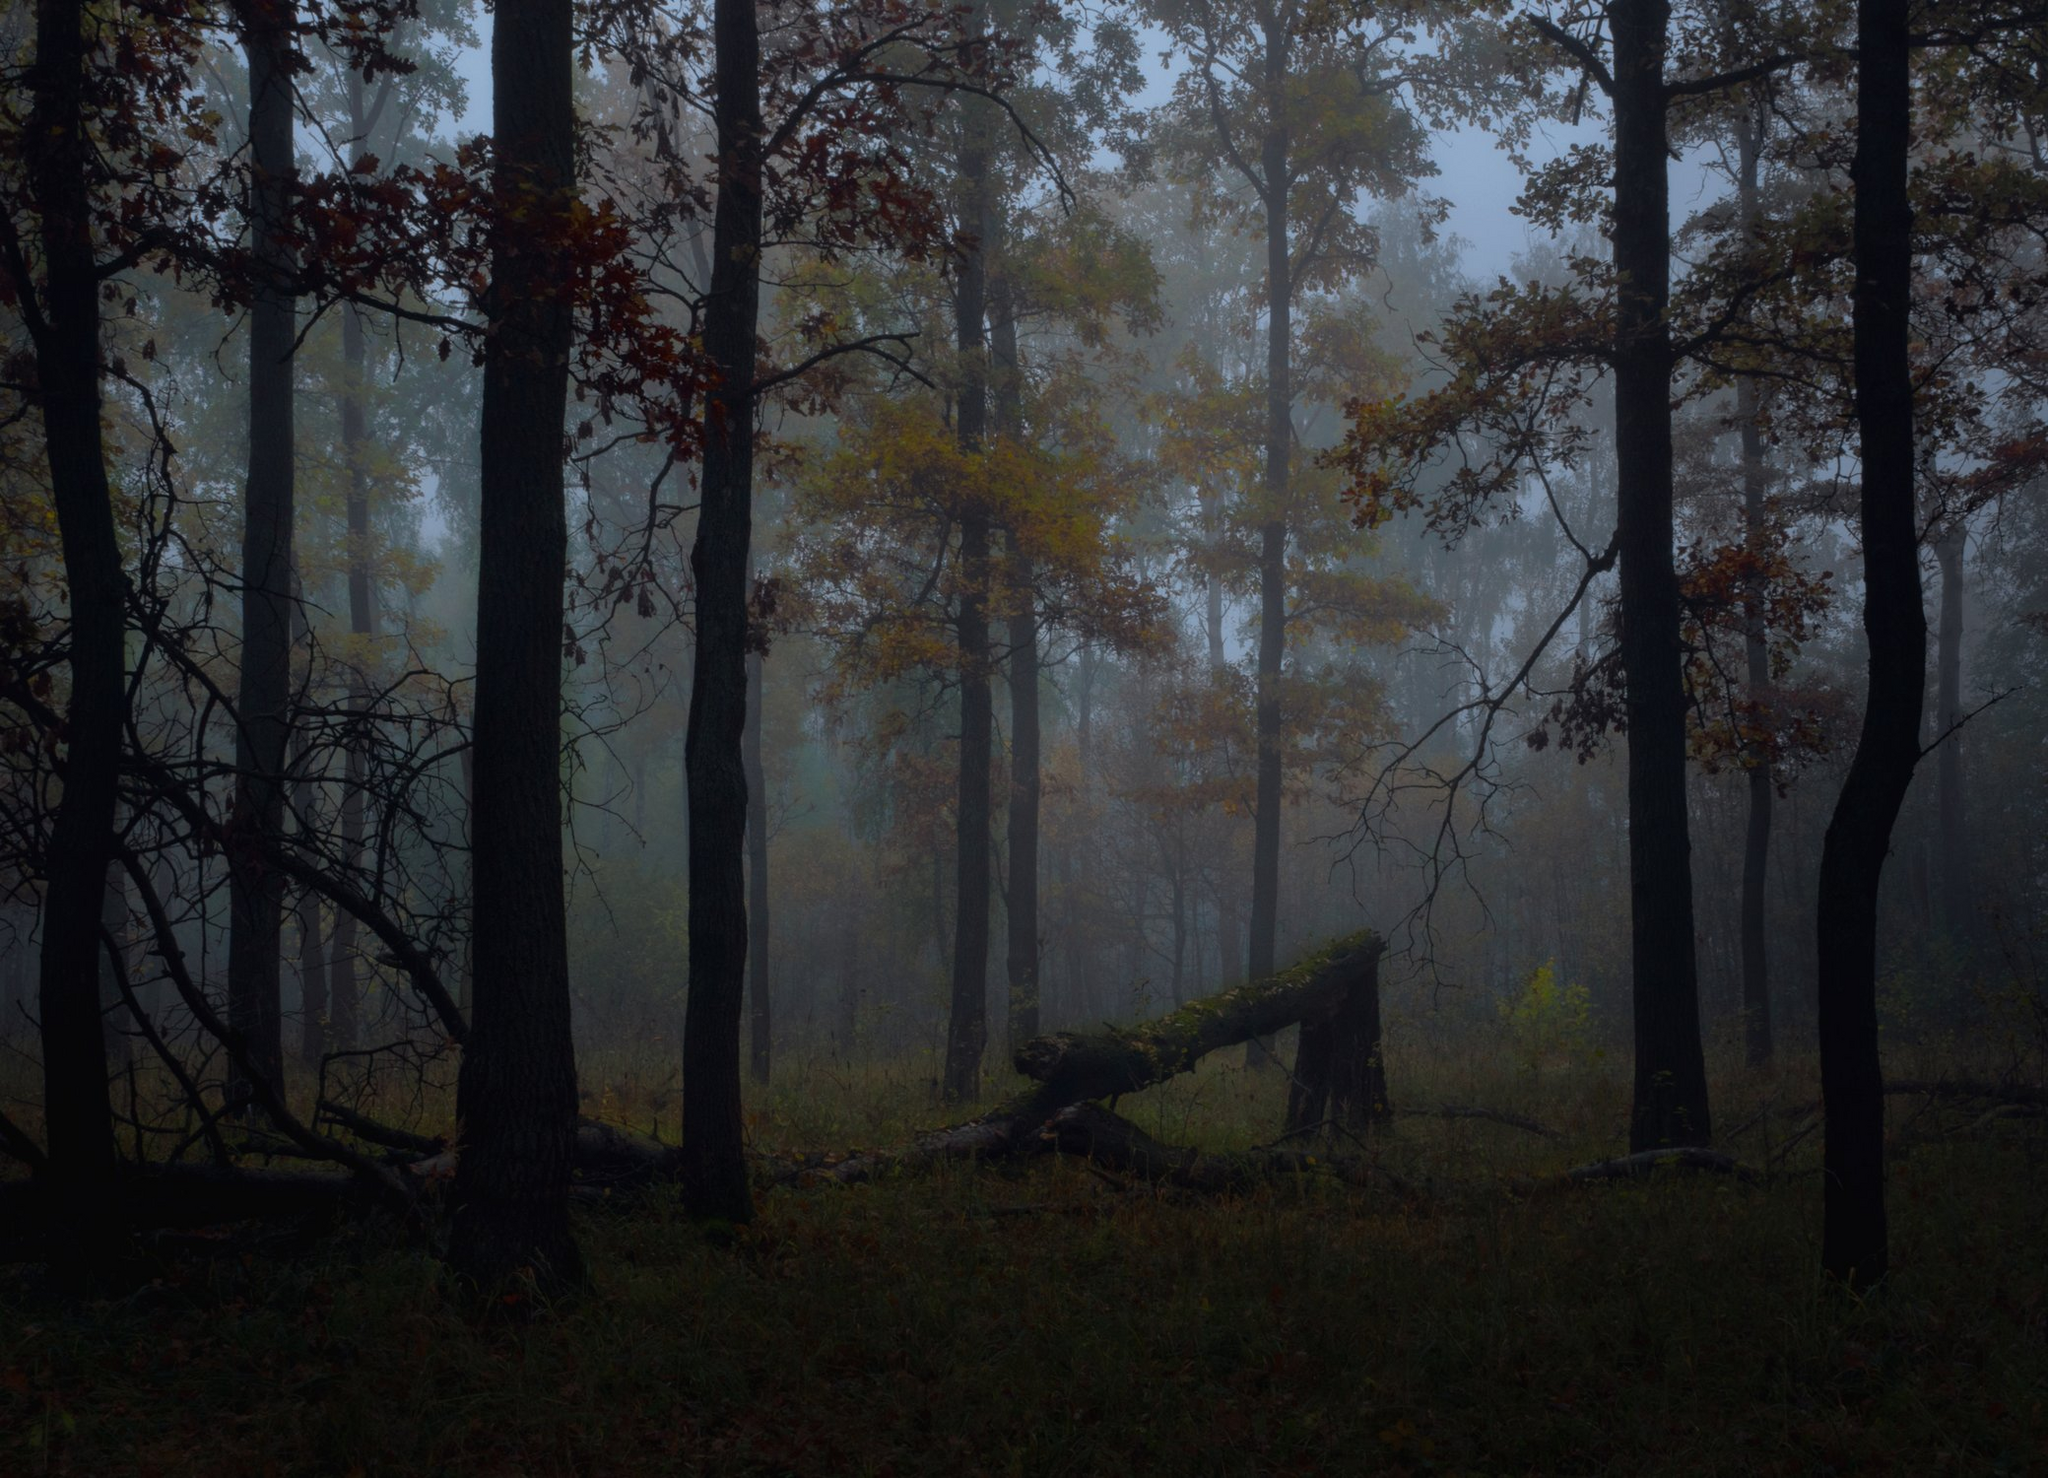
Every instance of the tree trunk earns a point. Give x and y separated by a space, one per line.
1670 1100
1958 900
1025 782
1854 1242
263 697
1339 1068
760 983
1756 847
967 1021
714 1165
1265 913
516 1097
65 328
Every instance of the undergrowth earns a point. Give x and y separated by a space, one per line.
1040 1319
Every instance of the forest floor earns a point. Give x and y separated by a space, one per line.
1041 1319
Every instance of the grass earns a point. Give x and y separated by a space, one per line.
1035 1320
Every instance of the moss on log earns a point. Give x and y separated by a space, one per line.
1073 1067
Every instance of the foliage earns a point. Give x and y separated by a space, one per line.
1548 1022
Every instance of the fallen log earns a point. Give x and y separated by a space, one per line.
1491 1116
1072 1067
1117 1060
1114 1143
1646 1162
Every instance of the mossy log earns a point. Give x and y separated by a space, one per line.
1073 1067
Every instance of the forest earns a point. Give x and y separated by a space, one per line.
1023 736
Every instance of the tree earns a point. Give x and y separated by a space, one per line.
1295 102
517 1093
263 697
63 323
1854 1236
714 1166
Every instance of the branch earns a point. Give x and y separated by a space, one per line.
1587 58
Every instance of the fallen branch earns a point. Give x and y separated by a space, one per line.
371 1132
1646 1162
1492 1116
1114 1143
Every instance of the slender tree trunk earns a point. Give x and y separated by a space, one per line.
65 328
516 1096
1265 914
1670 1068
263 698
1229 937
1854 1240
306 908
345 987
1756 847
714 1165
760 983
1025 781
967 1021
1958 899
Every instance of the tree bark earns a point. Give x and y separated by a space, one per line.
714 1166
1265 910
65 329
516 1096
1756 847
1854 1238
760 983
263 696
967 1020
1670 1098
1026 787
1339 1068
1958 900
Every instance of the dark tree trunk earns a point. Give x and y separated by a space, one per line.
1854 1242
65 328
967 1020
263 697
516 1096
1670 1103
1025 780
306 907
313 1004
1265 913
714 1165
760 983
1756 846
344 987
1339 1067
1958 900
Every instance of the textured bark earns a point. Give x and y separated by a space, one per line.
1756 844
1958 899
714 1166
1339 1070
516 1097
1670 1100
1854 1238
1265 910
65 329
967 1019
263 695
1026 786
760 983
